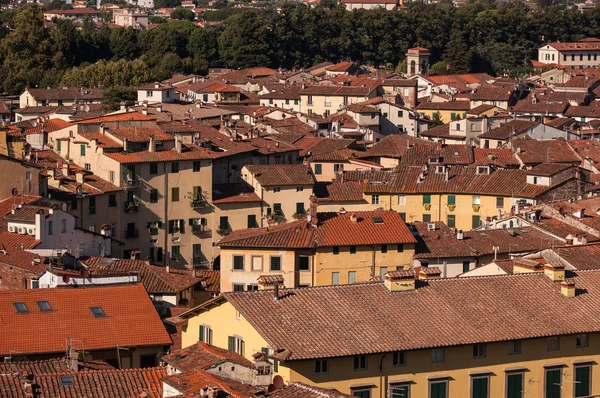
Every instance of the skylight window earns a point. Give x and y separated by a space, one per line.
67 381
377 220
21 308
44 306
98 312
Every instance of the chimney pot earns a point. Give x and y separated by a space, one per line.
567 288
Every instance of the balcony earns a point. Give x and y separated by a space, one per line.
132 207
131 182
200 229
198 203
201 262
132 233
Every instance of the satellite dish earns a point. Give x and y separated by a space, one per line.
190 110
79 191
15 192
278 382
86 108
34 124
66 279
84 273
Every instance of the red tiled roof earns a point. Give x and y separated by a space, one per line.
395 146
512 128
192 152
233 193
296 234
548 169
581 257
54 365
441 242
499 156
282 174
54 94
340 191
561 229
140 134
444 318
358 91
155 279
300 390
553 151
202 356
487 93
7 204
131 320
131 383
117 117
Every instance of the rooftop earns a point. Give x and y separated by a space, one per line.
282 174
130 319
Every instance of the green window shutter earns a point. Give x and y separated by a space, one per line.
451 220
265 351
201 333
148 225
299 208
553 383
438 390
153 195
582 381
475 222
426 217
252 221
159 224
181 226
174 194
318 169
231 343
224 222
275 366
400 113
514 387
480 387
82 149
466 266
159 254
427 199
58 145
451 200
403 216
191 222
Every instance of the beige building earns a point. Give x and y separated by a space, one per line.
128 17
327 100
21 177
60 96
315 253
582 54
284 190
513 352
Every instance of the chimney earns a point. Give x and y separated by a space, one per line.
567 288
152 144
125 144
276 291
526 266
353 218
168 268
178 144
556 273
268 282
159 108
73 359
579 213
312 210
122 106
430 273
79 178
65 169
399 281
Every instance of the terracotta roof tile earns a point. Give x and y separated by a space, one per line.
54 94
395 146
126 383
202 356
233 193
340 191
300 390
303 314
192 152
450 105
131 319
553 151
498 156
282 174
512 128
548 169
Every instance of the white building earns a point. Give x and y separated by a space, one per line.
582 54
154 93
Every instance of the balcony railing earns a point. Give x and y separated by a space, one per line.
132 233
200 262
200 229
198 203
131 182
132 207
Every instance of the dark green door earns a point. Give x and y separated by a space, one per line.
553 378
438 389
514 385
582 381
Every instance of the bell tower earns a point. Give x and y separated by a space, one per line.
417 61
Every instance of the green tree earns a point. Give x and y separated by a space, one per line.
116 95
245 41
183 14
457 54
439 68
26 51
124 43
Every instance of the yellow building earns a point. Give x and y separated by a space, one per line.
447 111
327 100
315 252
469 337
462 197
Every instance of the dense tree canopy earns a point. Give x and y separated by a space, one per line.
478 37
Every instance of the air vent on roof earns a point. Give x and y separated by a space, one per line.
431 226
377 220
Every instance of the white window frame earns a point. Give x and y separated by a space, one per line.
375 199
401 200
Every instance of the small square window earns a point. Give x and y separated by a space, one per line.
360 362
374 199
384 248
276 189
479 350
196 166
44 306
153 168
21 308
336 250
514 347
399 358
321 366
553 343
275 263
581 340
400 248
237 287
175 167
67 381
238 263
437 355
98 312
352 249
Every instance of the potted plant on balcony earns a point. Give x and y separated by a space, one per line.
299 216
197 201
427 206
132 206
451 207
223 231
476 207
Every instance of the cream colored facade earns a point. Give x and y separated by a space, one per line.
446 115
281 103
583 55
531 367
322 266
467 210
329 104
